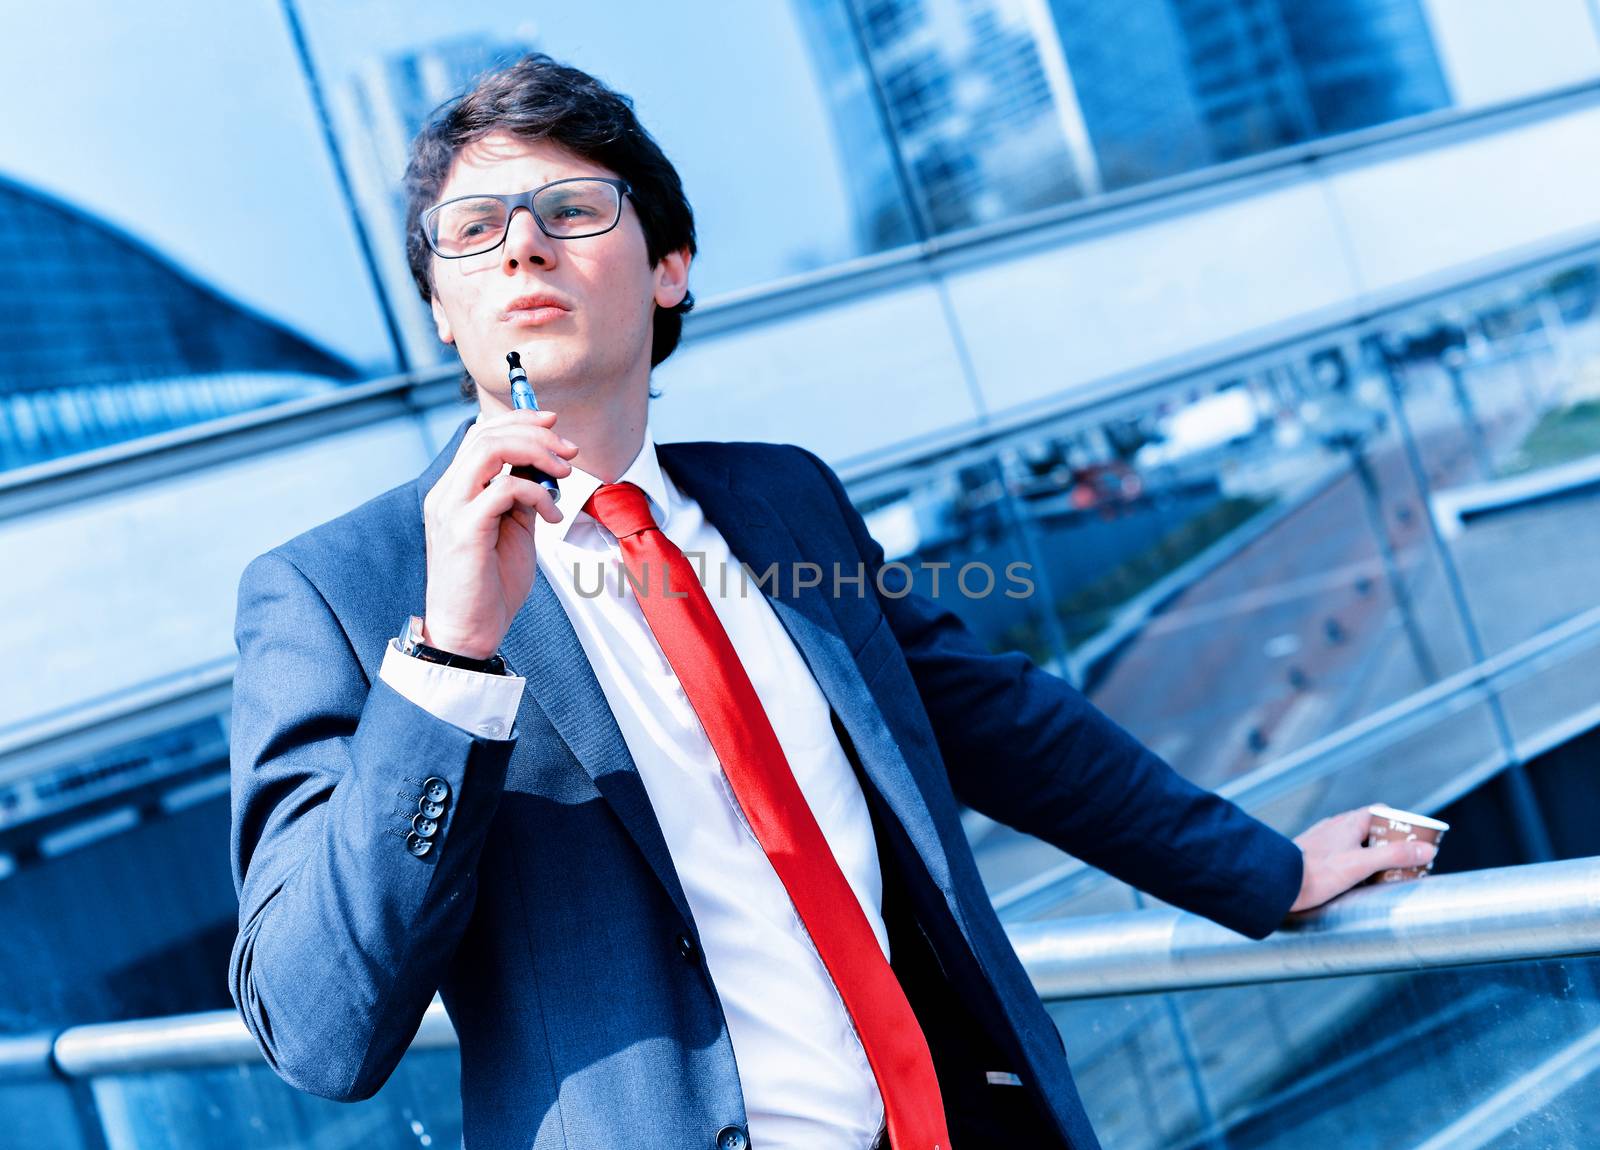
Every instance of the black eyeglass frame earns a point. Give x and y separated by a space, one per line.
515 200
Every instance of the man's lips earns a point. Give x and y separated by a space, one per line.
534 317
533 309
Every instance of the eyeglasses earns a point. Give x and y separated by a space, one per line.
570 209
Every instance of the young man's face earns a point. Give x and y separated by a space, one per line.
597 335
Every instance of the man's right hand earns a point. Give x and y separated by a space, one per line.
478 520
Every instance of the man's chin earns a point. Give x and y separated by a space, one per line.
548 367
555 381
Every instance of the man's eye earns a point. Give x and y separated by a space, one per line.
573 212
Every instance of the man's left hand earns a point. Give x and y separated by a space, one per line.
1336 860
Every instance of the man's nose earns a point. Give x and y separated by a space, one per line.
526 242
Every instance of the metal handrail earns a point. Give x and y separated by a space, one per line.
1542 911
1510 914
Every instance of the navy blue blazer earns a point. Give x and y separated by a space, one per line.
547 913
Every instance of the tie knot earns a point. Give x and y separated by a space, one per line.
621 508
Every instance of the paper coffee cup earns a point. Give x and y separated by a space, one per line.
1389 825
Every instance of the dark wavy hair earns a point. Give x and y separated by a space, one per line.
538 99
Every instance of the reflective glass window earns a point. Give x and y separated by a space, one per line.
156 268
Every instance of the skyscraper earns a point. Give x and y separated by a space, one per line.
1128 64
964 86
1364 62
1244 75
879 217
1167 86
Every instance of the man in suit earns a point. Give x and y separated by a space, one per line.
681 855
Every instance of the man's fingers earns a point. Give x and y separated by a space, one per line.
1346 830
522 517
1384 856
507 491
512 419
477 466
1336 858
1343 831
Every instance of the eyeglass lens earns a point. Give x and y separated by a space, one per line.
569 210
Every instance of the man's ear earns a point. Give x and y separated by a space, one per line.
672 278
441 322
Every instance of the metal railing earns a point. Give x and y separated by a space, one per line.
1514 914
1511 914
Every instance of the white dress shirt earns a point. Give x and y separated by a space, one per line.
806 1080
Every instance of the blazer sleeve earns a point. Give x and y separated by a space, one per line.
346 926
1026 748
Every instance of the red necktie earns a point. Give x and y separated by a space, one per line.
708 668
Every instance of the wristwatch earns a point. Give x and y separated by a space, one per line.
411 644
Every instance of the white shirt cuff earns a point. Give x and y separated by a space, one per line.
478 703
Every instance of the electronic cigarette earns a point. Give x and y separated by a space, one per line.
522 399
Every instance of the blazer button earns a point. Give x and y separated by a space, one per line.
432 809
424 826
687 947
418 845
732 1138
436 789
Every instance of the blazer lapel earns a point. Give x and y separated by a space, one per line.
757 534
543 646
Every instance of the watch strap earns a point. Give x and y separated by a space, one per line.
411 644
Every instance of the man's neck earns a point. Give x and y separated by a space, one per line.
608 435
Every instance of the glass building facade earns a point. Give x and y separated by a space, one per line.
1299 453
108 341
872 123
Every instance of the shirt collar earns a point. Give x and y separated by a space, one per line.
578 485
